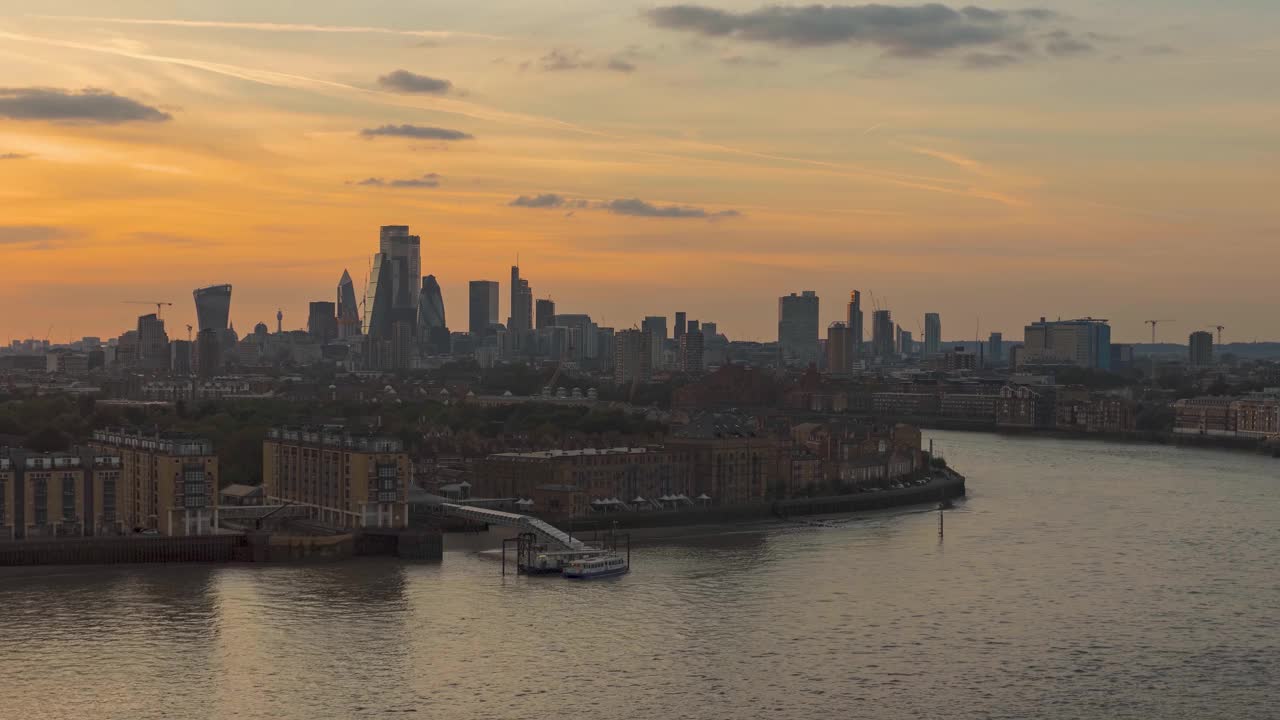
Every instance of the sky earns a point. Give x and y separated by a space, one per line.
994 163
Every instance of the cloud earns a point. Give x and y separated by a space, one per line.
1063 44
915 31
89 105
634 207
13 156
32 237
639 208
990 61
561 59
271 27
748 61
1159 50
546 200
406 82
429 180
418 132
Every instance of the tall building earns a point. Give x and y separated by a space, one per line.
60 495
521 318
995 347
433 330
483 307
798 327
322 321
153 343
181 360
906 342
545 311
854 322
692 348
1085 342
208 353
932 334
632 356
170 480
839 347
349 322
379 302
882 334
681 322
656 326
350 480
213 308
1201 346
405 253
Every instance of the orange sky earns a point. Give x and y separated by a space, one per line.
1113 162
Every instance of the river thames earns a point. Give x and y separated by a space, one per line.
1077 580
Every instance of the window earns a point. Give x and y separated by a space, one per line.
109 500
193 481
41 497
68 497
2 506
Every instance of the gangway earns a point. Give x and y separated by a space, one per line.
543 530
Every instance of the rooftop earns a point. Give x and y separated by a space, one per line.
588 452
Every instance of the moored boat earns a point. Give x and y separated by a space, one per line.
602 566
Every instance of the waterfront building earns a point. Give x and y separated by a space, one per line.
563 483
1084 342
1200 345
854 320
349 480
59 495
932 334
728 460
632 356
798 327
839 346
905 404
322 321
883 340
170 480
483 307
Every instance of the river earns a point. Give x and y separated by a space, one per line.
1078 580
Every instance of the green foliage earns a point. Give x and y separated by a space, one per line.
1092 378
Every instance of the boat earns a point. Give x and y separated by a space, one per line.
554 563
602 566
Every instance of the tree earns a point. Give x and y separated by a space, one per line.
48 439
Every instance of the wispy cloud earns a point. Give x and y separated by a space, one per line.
404 81
89 105
31 237
430 180
13 156
417 132
561 59
634 207
270 27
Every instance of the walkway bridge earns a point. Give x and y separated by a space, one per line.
545 531
259 512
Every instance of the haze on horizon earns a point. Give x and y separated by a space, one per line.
1002 161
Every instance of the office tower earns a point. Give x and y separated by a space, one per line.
546 313
839 346
213 307
583 335
351 480
656 326
932 334
906 342
680 326
208 353
180 357
433 330
882 334
1085 342
995 347
1201 346
854 322
405 251
631 356
692 348
521 318
798 327
153 343
322 321
349 322
483 306
378 302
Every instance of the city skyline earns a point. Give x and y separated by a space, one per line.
1125 152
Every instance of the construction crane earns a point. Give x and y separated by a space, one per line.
188 333
1219 328
1154 324
158 305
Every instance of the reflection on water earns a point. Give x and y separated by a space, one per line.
1079 580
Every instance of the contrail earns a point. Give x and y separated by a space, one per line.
270 27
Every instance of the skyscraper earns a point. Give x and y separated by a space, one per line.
882 334
631 355
546 313
692 348
1085 342
322 321
932 334
798 327
1201 346
433 331
153 343
349 323
838 348
213 307
521 318
680 326
483 306
656 326
378 301
995 345
405 251
906 342
854 323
